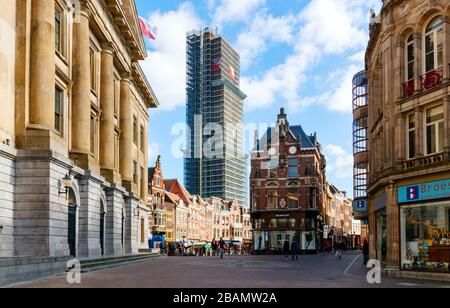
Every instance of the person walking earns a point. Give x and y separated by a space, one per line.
294 249
162 248
286 250
340 248
365 252
221 247
213 247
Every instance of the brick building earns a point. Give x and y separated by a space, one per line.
408 193
286 183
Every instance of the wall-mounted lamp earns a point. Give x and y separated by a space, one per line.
64 185
137 211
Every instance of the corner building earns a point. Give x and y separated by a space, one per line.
286 189
73 128
408 191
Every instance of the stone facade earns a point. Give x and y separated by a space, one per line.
407 62
73 128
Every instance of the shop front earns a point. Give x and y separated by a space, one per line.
425 227
272 230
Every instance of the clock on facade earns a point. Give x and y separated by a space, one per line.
292 150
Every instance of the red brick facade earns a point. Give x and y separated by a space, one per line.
287 196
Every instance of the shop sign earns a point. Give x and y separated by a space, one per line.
282 215
360 206
326 229
356 227
425 191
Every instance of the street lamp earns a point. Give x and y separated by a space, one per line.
64 184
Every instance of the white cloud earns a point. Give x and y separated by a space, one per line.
339 162
234 11
327 27
263 29
165 66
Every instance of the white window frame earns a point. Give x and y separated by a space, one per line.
434 33
436 124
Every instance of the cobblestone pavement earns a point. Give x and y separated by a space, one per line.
316 271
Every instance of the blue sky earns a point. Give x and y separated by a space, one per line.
296 54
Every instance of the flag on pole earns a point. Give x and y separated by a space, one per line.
216 65
231 72
147 29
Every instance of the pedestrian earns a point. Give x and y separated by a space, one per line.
162 248
207 248
294 249
365 251
339 249
213 247
221 247
286 250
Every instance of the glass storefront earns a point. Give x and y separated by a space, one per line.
425 237
381 236
308 240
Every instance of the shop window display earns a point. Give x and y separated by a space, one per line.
381 236
425 237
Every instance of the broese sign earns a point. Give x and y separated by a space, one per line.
425 191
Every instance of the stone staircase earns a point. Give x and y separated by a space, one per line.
94 264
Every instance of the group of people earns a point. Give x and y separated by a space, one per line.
187 248
292 248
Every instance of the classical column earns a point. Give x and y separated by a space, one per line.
42 66
400 138
446 68
418 62
107 117
392 227
126 137
446 104
81 103
420 134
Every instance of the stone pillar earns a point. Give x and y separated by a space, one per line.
392 228
400 139
418 62
42 68
420 133
131 224
399 75
42 72
446 64
89 215
446 124
81 103
126 137
116 208
107 117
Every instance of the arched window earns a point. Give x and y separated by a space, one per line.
434 44
410 57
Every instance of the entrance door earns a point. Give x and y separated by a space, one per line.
72 238
102 231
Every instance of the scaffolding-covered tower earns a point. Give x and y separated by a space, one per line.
214 98
360 144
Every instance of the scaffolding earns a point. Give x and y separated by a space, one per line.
213 98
